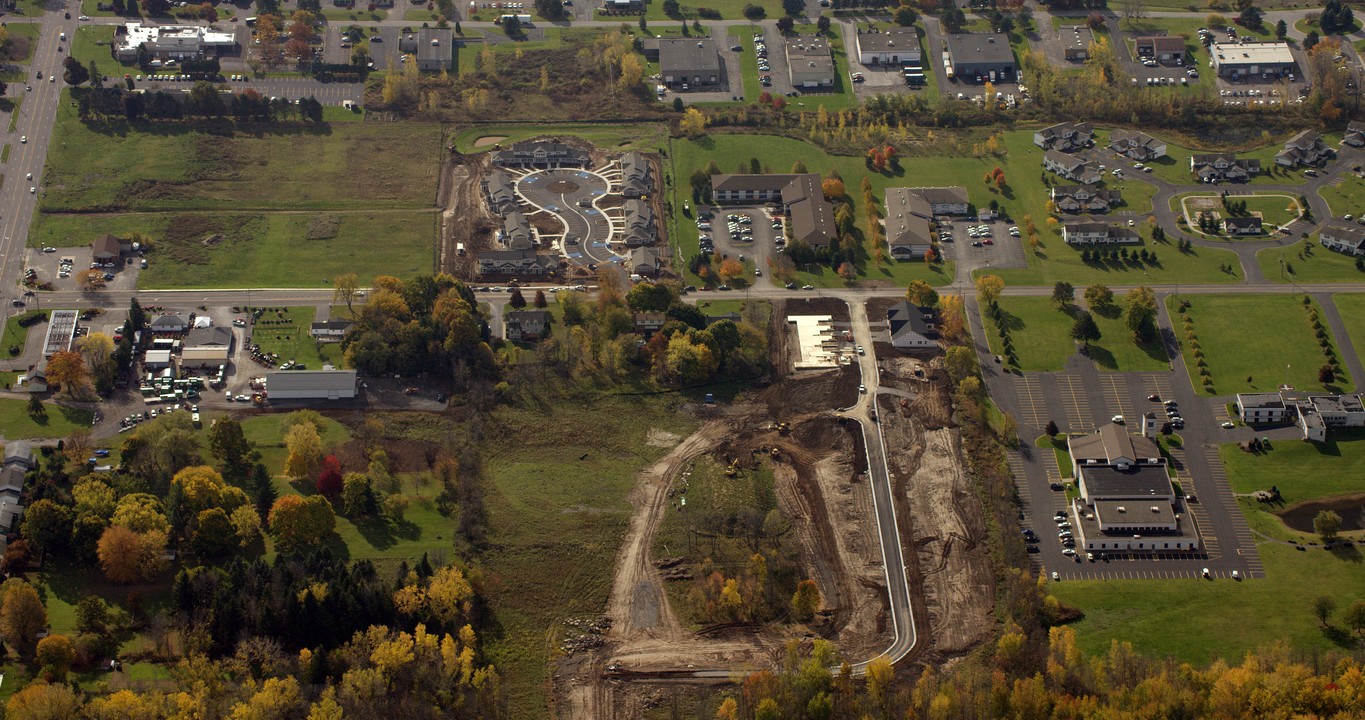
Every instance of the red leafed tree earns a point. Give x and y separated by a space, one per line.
878 160
889 151
329 480
779 102
765 98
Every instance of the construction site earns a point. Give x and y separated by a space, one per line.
806 432
573 216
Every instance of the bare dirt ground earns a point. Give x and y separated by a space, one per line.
489 140
821 484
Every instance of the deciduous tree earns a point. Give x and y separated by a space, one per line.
54 656
921 294
305 450
127 556
67 369
806 600
1327 524
22 616
989 288
297 521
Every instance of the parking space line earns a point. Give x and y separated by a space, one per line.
1074 401
1115 389
1033 411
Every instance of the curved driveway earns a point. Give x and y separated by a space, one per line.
589 225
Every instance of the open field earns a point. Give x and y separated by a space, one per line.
559 473
1299 263
1301 470
1041 335
1175 166
16 336
287 334
1242 356
1351 307
90 43
23 39
16 424
351 166
259 250
1230 617
729 10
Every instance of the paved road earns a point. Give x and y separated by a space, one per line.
590 226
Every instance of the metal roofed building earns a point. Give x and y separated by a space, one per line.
61 332
894 46
688 61
975 56
810 62
1266 59
325 384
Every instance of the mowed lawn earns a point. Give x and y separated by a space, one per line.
1303 264
285 332
259 249
1345 195
276 167
1247 356
1301 470
1198 621
17 424
1041 335
1351 307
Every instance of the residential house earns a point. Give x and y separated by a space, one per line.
20 453
1249 225
516 232
526 325
894 46
35 380
1084 198
1065 137
945 200
1136 145
1071 167
643 261
1126 500
500 193
1168 49
541 154
1343 237
648 323
515 262
637 177
912 328
330 330
810 62
169 323
1098 233
1355 134
690 63
908 235
1305 149
640 228
1217 167
109 249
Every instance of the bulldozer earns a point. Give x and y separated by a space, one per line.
783 428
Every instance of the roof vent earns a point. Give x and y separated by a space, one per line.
1156 509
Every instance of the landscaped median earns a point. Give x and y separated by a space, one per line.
1281 346
1204 213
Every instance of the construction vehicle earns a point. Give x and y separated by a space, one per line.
783 428
732 469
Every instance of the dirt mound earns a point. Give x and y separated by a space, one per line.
488 140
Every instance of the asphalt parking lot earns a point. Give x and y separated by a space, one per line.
755 247
1003 250
561 193
48 266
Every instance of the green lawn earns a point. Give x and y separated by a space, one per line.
259 250
1351 306
1231 617
341 15
27 34
729 10
1275 211
16 424
1175 166
91 43
1299 263
286 332
352 166
1301 470
1345 195
1242 356
16 336
1041 335
748 62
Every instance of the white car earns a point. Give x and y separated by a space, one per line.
32 189
84 18
30 177
862 389
1117 420
1228 426
1205 572
1055 576
23 138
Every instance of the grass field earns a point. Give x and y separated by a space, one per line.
91 43
729 10
557 512
1351 307
1299 263
287 334
1241 356
1041 335
259 250
1231 617
1274 210
16 424
1345 196
1301 470
16 336
352 166
27 34
1175 166
743 35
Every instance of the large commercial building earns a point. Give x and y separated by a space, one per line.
810 62
178 42
896 46
982 57
434 48
1314 414
1127 502
325 384
207 347
691 64
1266 60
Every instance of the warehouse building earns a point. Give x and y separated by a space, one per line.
982 57
207 347
325 384
1076 44
688 64
810 62
1267 60
896 46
